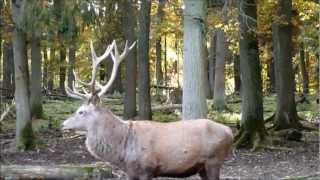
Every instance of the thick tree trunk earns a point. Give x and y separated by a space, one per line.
62 70
219 102
8 69
143 61
45 68
51 64
128 28
71 66
271 76
236 71
304 72
36 77
252 124
194 98
286 113
24 133
212 60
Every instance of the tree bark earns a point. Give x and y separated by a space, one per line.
143 61
219 86
304 72
286 113
194 98
62 70
271 76
128 28
36 77
24 132
206 71
212 60
71 66
252 129
236 71
8 69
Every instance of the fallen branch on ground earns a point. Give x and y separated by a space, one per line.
88 171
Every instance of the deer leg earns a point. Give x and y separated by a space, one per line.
213 171
203 174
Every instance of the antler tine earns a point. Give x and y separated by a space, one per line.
74 93
117 59
97 60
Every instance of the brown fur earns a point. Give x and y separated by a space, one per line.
146 149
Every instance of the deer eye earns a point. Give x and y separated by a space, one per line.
81 112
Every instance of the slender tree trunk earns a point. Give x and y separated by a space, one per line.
271 76
304 72
212 60
51 64
252 129
62 70
236 70
219 86
8 69
286 113
194 104
45 68
143 60
165 75
36 77
128 28
24 132
159 73
206 71
71 66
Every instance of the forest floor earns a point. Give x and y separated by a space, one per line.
281 160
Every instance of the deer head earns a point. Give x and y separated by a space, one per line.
89 110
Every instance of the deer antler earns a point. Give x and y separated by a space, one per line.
116 58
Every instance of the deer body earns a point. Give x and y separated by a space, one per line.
146 149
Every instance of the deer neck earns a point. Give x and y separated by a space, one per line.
107 139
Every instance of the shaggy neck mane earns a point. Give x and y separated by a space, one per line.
107 137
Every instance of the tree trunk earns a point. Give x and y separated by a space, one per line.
24 133
143 61
128 28
286 113
36 77
194 98
219 87
271 76
62 70
71 66
212 60
206 71
45 68
159 73
304 72
8 69
252 129
236 70
51 68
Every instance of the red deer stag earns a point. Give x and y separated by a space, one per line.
145 149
